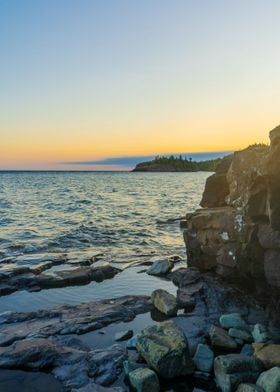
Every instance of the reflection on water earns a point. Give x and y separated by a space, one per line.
124 217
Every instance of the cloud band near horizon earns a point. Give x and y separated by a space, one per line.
134 160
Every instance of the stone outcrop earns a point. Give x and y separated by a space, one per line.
237 232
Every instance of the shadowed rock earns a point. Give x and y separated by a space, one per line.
237 234
234 369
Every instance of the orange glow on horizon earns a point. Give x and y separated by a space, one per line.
43 146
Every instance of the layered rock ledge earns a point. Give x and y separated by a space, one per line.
70 319
14 278
237 232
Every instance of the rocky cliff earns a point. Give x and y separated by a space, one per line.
237 232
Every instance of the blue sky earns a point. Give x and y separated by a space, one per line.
95 79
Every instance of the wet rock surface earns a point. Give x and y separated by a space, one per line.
44 341
50 340
160 267
32 278
66 319
18 380
123 335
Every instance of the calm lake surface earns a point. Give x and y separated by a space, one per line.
124 217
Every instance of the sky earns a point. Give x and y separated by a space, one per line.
94 80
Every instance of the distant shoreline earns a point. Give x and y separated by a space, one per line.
179 164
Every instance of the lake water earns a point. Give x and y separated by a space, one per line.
125 217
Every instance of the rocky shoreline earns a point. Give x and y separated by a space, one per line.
220 332
203 334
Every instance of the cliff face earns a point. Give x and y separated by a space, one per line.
237 232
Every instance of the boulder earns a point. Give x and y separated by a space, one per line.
269 354
165 348
269 381
123 335
247 349
184 277
165 302
260 333
144 380
203 358
160 267
233 320
216 190
129 366
234 369
249 388
220 338
240 334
